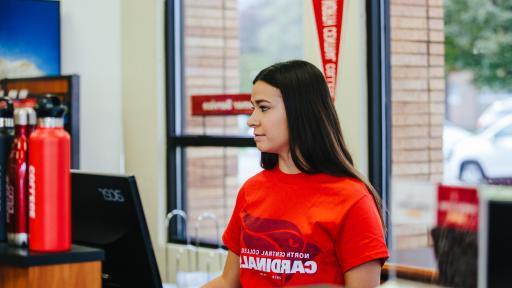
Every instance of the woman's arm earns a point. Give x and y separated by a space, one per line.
230 277
364 275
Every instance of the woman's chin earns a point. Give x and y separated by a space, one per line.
263 148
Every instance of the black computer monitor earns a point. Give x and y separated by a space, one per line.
107 213
495 237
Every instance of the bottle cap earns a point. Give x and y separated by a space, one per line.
6 107
50 106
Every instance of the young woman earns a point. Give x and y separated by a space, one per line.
309 217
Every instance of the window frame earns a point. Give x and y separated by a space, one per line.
177 142
379 103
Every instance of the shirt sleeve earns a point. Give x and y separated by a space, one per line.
232 234
361 238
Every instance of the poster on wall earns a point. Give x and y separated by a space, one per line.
30 38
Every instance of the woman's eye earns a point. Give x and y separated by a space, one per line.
263 108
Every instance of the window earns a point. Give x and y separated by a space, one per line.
219 46
448 61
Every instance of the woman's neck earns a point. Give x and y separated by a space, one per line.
286 164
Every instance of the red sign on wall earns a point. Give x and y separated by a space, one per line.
223 104
457 207
328 16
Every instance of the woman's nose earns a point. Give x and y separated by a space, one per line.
252 121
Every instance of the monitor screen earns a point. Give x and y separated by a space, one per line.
107 213
499 249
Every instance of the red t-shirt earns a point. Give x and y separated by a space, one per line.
297 229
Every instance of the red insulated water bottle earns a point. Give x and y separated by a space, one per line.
17 176
49 180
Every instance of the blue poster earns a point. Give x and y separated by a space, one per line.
29 38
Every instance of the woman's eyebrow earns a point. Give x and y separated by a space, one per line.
259 101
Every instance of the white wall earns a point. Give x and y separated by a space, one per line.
91 45
351 89
143 72
117 49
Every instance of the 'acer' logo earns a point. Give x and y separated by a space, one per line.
113 195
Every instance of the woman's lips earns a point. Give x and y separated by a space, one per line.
258 137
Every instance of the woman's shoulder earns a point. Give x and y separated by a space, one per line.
352 183
257 179
349 187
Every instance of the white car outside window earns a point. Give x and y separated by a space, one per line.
486 156
494 112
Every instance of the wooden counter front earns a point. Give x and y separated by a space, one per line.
81 267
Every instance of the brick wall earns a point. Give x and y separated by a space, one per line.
211 48
418 97
418 88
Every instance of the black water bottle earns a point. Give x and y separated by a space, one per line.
6 136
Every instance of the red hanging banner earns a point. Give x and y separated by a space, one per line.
328 16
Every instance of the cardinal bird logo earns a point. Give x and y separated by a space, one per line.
281 237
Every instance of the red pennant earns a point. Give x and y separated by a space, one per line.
328 16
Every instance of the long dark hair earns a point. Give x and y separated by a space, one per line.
316 141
